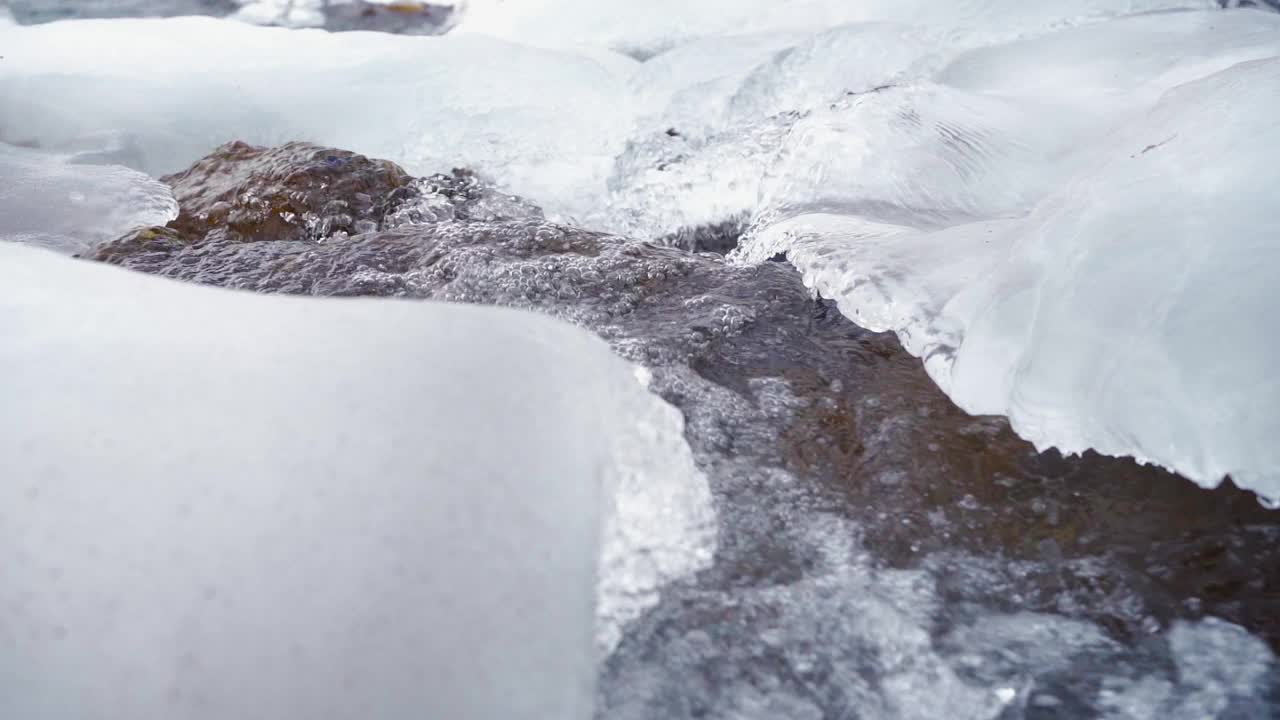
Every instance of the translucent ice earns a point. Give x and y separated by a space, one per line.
1057 252
181 87
228 505
70 205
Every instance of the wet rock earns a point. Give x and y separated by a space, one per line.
297 191
718 238
403 18
876 543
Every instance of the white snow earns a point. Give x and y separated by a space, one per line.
1088 266
230 505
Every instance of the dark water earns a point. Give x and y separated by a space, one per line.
39 11
881 554
407 18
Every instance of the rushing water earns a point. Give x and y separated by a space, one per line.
880 554
866 550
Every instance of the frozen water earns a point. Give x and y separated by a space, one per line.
228 505
1140 291
906 206
181 87
67 203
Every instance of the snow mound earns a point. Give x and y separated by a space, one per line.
408 517
69 205
1112 296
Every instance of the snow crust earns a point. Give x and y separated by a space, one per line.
220 504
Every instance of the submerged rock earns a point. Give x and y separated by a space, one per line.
881 553
406 18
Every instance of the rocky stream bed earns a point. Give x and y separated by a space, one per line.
878 553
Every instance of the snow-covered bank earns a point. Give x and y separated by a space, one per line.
221 504
934 170
1061 253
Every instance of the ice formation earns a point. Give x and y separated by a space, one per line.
407 519
1076 245
180 87
69 204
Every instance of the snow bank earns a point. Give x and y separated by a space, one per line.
1094 271
230 505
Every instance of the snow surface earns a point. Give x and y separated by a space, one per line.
1086 265
66 203
231 505
932 167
